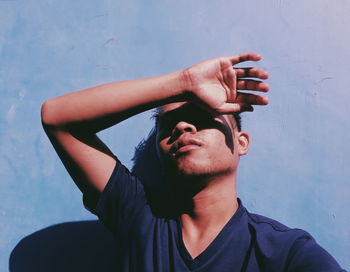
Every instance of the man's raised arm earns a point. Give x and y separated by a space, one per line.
72 121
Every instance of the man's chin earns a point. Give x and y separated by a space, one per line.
189 172
187 168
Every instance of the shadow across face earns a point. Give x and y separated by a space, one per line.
201 119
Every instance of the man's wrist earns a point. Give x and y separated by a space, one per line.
185 84
178 86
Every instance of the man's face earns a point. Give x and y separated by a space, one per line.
194 142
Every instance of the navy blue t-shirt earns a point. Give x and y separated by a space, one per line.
248 242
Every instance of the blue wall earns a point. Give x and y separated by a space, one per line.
297 170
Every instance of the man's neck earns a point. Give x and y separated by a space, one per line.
212 207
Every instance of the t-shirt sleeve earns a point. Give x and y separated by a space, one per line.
122 198
306 255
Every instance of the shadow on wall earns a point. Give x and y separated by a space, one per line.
86 245
73 246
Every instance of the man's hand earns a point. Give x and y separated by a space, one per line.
214 84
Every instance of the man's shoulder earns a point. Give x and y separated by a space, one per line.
270 232
269 224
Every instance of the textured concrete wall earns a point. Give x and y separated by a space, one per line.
297 170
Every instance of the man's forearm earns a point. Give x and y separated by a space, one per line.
100 107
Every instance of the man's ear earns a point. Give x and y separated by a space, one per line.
243 143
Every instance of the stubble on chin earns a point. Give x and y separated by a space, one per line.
187 170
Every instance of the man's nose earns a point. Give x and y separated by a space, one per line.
182 127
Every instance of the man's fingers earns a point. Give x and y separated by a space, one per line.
252 99
230 79
251 72
234 107
253 85
244 57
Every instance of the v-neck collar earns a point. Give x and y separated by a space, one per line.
211 249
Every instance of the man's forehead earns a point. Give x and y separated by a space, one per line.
172 106
182 110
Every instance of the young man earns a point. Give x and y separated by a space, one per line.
202 226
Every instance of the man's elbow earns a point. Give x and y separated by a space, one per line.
49 114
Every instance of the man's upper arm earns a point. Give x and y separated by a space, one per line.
87 159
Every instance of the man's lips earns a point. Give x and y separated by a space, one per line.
184 144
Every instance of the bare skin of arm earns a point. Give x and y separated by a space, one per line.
71 121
